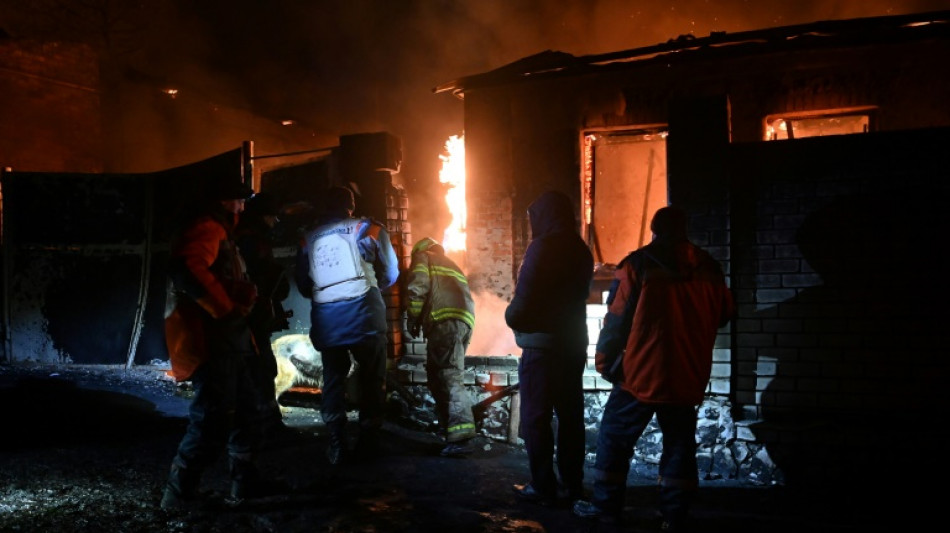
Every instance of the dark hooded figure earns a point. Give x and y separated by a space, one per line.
548 316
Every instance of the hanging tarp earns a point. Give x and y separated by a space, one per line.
84 259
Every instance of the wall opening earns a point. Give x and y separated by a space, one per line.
624 183
819 123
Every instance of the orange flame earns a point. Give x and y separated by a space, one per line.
453 175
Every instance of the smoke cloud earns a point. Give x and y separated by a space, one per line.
370 65
491 335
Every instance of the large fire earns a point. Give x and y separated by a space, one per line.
491 335
453 176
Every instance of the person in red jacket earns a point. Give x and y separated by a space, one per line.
210 344
665 306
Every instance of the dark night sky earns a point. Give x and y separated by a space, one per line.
352 66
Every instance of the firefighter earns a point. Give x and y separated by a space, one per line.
342 267
440 306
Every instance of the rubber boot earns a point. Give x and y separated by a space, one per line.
181 488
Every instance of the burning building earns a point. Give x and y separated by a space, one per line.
810 159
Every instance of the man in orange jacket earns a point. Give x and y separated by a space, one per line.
665 306
210 344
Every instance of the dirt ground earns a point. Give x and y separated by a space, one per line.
87 449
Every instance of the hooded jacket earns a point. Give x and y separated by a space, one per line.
437 288
664 307
549 307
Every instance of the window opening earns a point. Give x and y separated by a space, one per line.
818 124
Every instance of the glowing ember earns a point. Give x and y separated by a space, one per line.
453 175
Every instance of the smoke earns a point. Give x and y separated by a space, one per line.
358 66
491 335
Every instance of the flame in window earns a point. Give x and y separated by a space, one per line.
452 175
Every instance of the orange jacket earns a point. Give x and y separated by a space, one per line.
209 283
665 305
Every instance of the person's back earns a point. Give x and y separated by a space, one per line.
548 316
682 304
548 308
440 304
665 305
342 267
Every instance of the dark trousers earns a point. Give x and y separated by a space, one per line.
223 414
370 357
550 383
624 420
263 369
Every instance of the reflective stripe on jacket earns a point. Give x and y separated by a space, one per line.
438 290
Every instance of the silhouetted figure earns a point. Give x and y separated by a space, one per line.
548 315
254 235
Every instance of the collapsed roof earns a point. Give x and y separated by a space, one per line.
814 35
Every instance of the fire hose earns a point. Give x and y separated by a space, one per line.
480 408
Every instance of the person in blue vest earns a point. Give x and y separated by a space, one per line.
441 307
342 266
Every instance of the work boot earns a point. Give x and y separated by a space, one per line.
336 450
244 478
247 482
181 488
457 449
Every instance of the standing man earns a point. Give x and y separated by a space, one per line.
254 236
210 344
665 305
548 315
342 266
441 306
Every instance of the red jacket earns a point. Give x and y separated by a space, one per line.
209 284
665 305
